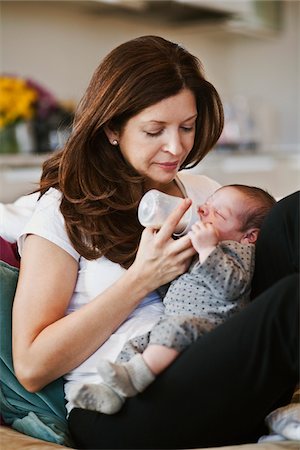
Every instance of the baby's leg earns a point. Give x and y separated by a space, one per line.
171 336
168 338
179 332
158 357
133 347
118 380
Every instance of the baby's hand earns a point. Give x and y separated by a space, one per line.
204 237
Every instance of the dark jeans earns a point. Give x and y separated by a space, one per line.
220 389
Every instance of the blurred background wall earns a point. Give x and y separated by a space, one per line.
255 68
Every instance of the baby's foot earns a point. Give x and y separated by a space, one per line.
117 377
96 397
127 379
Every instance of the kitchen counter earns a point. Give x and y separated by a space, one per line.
23 159
278 172
19 174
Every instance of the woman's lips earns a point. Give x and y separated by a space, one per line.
168 165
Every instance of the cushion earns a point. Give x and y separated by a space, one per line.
9 253
14 216
285 421
41 414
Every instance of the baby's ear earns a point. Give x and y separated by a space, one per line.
250 237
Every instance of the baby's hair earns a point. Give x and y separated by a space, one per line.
257 208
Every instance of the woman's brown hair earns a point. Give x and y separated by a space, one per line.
100 190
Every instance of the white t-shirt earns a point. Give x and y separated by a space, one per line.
95 276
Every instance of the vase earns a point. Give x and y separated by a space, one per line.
25 136
8 140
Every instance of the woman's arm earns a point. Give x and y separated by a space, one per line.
46 343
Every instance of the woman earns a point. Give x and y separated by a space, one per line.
147 113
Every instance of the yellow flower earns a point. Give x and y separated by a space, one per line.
17 100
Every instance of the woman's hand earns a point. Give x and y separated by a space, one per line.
160 258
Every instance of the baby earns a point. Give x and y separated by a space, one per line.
216 286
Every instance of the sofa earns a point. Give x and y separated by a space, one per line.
13 440
284 423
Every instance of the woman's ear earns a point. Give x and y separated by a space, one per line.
250 237
112 136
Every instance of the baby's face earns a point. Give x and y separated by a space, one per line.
222 210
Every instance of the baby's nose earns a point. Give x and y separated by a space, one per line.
202 210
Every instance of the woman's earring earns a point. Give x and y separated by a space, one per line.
115 142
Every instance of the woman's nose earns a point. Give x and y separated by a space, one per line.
174 145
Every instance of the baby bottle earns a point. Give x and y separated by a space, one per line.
155 206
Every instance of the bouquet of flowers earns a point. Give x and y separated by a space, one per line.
25 102
17 100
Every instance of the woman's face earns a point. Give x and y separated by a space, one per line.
158 139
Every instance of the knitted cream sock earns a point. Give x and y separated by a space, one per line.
120 381
127 379
96 397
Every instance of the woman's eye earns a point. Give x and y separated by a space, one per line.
153 133
187 129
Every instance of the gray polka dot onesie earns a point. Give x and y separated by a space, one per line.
200 299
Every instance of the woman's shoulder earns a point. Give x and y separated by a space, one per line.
47 209
48 222
50 198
